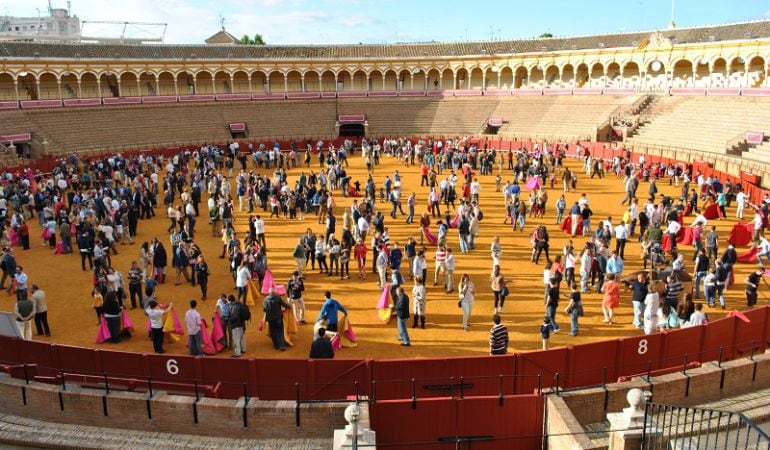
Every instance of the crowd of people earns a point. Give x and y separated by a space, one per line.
95 207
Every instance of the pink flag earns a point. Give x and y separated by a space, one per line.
432 238
59 248
126 324
104 332
218 337
454 223
384 309
208 345
533 183
268 282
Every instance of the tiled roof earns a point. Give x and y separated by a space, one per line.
727 32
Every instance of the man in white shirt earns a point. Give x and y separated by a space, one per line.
764 250
621 236
363 228
740 200
450 270
242 277
259 228
475 190
192 320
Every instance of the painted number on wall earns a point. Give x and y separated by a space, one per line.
172 366
642 349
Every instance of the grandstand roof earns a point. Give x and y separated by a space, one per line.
703 34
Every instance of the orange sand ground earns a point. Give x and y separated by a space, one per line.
73 320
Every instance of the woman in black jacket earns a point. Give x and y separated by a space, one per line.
111 309
159 262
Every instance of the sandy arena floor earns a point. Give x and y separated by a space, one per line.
73 320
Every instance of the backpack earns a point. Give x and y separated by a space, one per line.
480 217
245 312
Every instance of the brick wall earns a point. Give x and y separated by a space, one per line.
170 413
709 382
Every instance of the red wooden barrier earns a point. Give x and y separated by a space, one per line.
637 354
276 378
515 424
121 363
752 333
332 379
588 363
680 343
545 363
232 373
77 359
397 422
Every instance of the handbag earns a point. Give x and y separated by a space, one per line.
460 304
505 292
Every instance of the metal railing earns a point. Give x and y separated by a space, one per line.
678 427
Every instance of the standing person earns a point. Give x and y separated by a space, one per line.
155 314
321 348
41 311
242 277
239 315
496 251
359 252
552 303
752 284
24 310
192 320
8 265
498 283
450 271
498 337
545 331
402 316
135 284
712 244
574 309
611 299
223 305
638 299
467 296
382 267
299 255
418 294
98 305
330 309
259 228
295 287
202 274
274 317
21 283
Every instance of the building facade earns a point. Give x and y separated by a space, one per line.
732 55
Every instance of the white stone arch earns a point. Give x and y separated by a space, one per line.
597 74
390 79
376 79
567 75
419 81
537 76
294 81
614 74
167 83
223 82
148 83
328 80
69 85
582 74
656 78
7 86
358 79
433 81
241 82
631 74
276 81
551 76
756 72
185 82
682 73
89 87
520 77
505 77
204 82
447 78
462 76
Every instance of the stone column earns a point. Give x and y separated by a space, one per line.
80 90
629 425
16 89
356 429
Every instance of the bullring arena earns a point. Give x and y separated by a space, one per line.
695 99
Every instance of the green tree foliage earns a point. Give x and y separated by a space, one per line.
545 35
257 40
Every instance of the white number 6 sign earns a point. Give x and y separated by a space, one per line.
173 368
642 349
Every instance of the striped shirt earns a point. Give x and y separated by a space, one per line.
498 340
440 255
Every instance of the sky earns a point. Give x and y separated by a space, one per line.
387 21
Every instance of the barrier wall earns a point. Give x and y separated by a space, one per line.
469 394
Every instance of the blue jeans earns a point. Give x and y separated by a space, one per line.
699 276
410 218
551 312
760 255
522 220
464 243
402 333
584 280
637 313
472 242
573 322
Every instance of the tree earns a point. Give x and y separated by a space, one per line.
246 40
545 35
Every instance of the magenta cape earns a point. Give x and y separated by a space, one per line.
431 238
712 212
533 184
218 337
269 282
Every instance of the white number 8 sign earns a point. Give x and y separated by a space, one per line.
642 349
172 366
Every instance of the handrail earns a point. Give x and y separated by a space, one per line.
696 424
